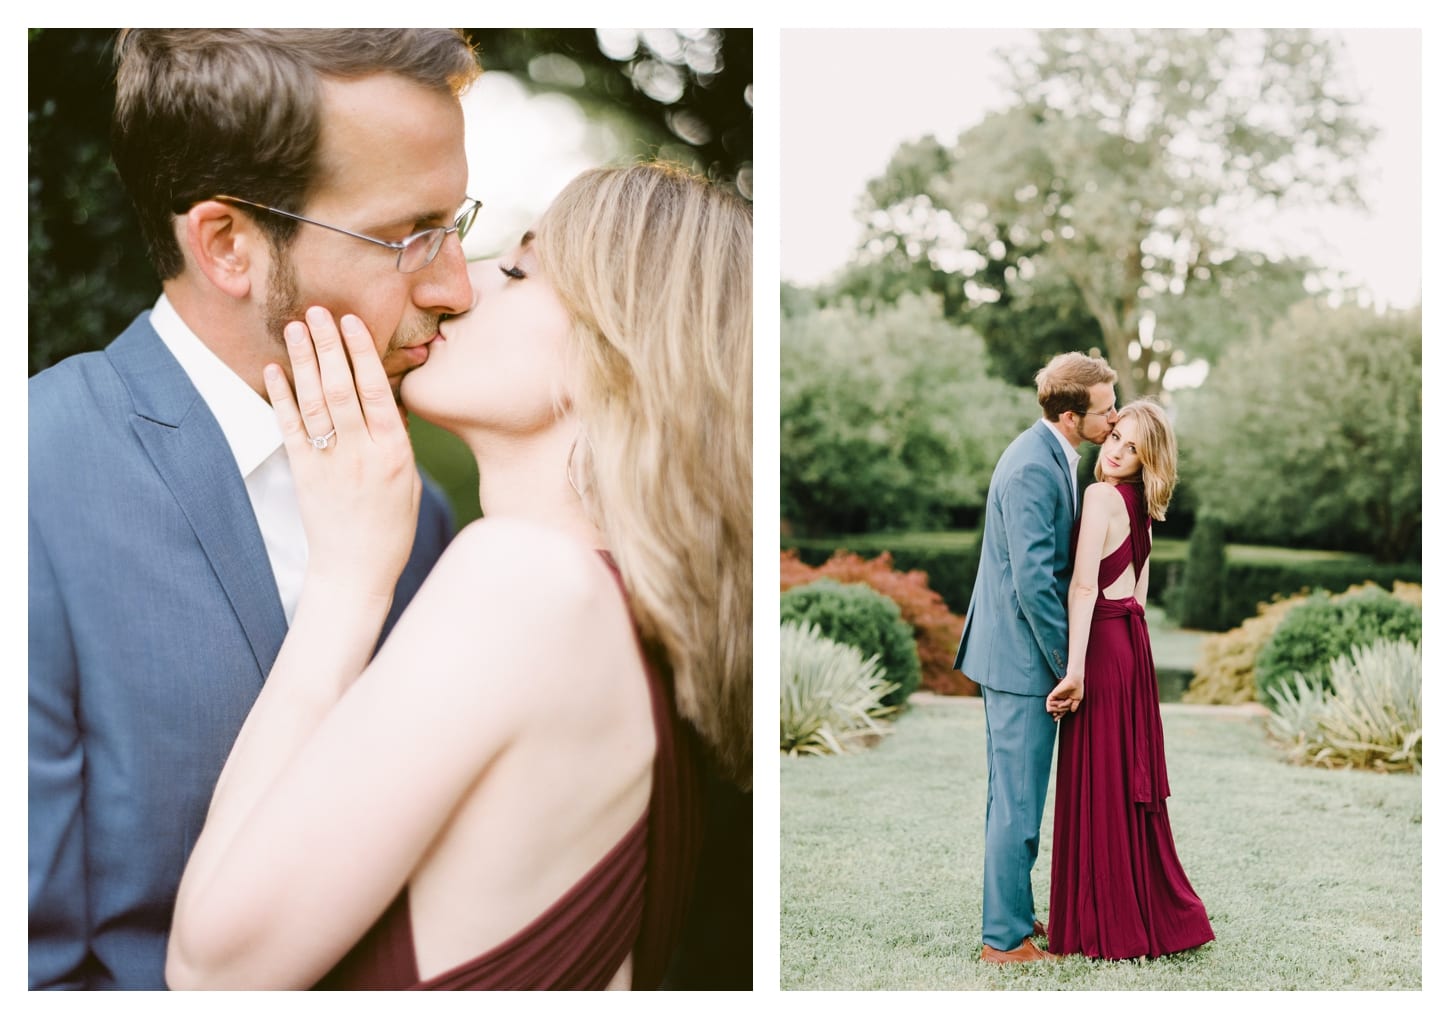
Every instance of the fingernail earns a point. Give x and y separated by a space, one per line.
272 373
351 323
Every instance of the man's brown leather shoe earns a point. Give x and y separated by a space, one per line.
1025 952
1039 929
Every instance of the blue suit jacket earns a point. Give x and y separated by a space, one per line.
1015 637
154 619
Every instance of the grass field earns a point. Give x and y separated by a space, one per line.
1312 879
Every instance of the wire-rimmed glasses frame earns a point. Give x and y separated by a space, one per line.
420 248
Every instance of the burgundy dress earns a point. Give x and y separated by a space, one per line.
633 900
1118 890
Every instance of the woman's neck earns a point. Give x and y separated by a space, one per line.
527 477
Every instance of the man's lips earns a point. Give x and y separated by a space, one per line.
415 354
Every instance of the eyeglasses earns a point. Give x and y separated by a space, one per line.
414 251
1100 413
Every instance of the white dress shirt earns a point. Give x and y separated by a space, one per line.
1072 459
251 431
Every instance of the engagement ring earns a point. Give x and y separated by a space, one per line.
321 441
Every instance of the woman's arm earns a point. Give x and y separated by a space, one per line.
339 783
276 900
1082 594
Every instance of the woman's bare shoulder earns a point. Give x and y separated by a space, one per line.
507 597
1103 497
506 550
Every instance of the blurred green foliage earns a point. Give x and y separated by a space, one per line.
887 420
1200 601
1312 435
684 94
89 276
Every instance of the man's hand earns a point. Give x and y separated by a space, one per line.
1065 697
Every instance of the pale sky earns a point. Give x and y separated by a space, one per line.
850 97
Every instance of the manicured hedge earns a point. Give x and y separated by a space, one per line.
1249 582
1252 574
949 558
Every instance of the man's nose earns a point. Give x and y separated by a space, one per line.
445 285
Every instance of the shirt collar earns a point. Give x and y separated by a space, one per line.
246 420
1073 456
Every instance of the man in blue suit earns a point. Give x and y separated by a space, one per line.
1014 643
271 171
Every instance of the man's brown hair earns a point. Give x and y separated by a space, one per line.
1064 383
209 111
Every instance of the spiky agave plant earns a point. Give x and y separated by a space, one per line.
830 694
1369 715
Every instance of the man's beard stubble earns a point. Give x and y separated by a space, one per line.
285 304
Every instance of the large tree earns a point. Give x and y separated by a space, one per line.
1312 434
1110 188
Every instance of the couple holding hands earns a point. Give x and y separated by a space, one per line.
1056 637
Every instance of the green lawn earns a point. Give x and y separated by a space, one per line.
1311 878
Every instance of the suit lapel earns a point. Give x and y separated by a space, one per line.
191 455
1054 449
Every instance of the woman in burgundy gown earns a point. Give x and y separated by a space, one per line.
508 794
1118 890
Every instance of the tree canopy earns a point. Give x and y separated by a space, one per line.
1313 433
1099 205
887 420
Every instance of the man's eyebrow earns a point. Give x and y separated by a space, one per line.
411 222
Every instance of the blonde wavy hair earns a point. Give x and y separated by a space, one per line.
653 264
1157 451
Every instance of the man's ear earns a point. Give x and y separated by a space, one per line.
224 245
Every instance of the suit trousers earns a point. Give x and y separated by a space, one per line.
1020 737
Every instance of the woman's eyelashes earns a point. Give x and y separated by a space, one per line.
513 272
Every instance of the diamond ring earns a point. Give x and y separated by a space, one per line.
322 441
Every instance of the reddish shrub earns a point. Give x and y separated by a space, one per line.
936 627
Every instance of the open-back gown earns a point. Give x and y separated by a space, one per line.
1118 890
632 901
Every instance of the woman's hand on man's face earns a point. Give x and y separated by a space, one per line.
357 483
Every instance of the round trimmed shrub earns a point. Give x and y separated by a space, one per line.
1317 632
856 615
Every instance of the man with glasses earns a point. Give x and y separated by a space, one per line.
272 171
1014 643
